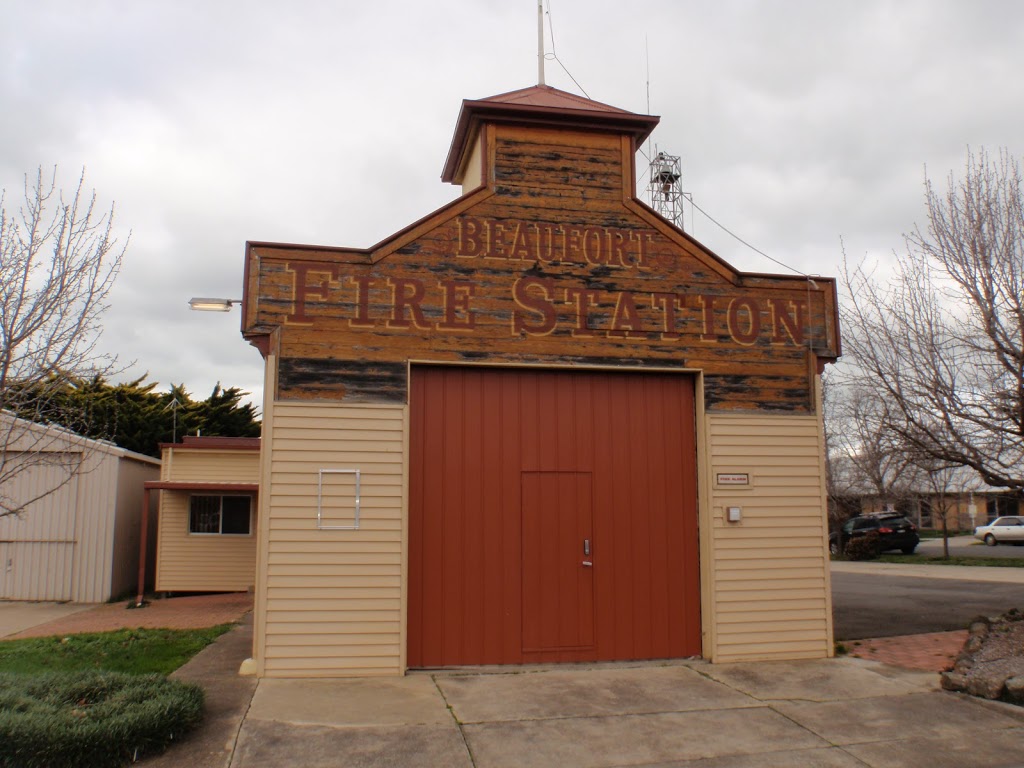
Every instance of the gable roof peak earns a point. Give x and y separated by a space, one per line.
546 96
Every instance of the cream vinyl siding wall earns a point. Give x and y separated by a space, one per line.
210 563
768 575
204 563
330 602
212 465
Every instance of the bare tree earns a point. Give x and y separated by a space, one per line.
941 343
867 459
840 482
947 485
58 263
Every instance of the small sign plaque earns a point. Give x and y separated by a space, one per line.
733 478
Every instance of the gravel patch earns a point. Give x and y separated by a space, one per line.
991 663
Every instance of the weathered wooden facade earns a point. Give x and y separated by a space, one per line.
540 424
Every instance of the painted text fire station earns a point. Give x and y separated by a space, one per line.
539 307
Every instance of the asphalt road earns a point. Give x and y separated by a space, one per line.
871 605
968 546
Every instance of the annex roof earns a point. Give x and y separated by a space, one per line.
24 435
215 443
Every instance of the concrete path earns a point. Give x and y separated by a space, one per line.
830 714
190 612
16 616
228 696
814 714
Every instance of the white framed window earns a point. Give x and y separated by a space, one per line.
220 515
338 499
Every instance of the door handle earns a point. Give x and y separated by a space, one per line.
588 564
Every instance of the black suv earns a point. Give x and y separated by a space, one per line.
894 532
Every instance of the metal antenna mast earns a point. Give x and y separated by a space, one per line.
540 42
664 190
174 405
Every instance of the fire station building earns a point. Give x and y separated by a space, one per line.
541 424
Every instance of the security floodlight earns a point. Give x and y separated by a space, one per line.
213 305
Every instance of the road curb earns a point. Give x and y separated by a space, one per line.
999 574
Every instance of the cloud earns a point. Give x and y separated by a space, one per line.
210 124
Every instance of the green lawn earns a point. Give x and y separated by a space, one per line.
938 534
135 651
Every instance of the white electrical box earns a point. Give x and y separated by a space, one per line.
733 514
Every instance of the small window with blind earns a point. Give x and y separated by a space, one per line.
220 515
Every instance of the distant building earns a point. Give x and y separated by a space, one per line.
957 494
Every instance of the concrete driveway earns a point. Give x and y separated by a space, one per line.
812 714
16 616
830 714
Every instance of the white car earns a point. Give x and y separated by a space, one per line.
1002 530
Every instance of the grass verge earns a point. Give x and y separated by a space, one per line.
132 651
989 562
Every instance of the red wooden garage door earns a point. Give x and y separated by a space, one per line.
552 517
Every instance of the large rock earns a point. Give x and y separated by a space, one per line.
991 663
1015 689
954 681
987 686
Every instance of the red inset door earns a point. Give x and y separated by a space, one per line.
557 569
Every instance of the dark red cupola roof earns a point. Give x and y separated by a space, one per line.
540 105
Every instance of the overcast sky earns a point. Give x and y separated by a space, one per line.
799 123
